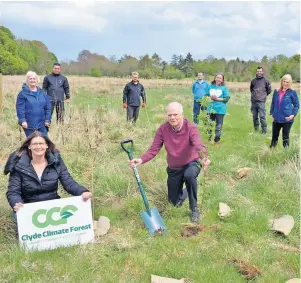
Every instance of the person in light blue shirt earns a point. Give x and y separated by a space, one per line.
217 108
199 90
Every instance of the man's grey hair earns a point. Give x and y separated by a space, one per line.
176 105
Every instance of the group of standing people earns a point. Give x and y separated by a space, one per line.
284 106
35 105
37 166
216 110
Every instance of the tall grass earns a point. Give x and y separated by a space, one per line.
89 143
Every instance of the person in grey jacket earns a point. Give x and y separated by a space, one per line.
56 86
131 98
260 88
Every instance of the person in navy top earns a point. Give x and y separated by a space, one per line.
33 106
284 108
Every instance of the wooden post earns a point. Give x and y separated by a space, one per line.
1 95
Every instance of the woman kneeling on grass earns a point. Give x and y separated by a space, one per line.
35 170
284 108
217 108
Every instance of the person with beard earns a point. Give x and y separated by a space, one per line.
260 88
56 86
199 89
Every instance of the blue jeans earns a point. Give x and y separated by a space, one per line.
43 130
218 119
197 106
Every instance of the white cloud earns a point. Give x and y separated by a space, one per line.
294 8
194 32
173 15
224 29
55 16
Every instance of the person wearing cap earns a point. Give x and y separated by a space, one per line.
186 154
217 108
132 94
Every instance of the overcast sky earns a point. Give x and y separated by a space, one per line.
246 30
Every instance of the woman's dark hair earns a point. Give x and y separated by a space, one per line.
222 74
26 144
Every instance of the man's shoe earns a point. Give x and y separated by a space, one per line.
182 199
195 215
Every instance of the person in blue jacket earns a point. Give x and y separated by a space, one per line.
284 108
217 108
33 106
199 89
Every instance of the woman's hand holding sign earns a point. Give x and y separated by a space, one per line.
17 206
86 195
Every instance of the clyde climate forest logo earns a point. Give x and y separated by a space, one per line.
64 214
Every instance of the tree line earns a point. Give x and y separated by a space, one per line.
17 56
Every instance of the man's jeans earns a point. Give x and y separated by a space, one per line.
258 107
60 110
197 106
132 113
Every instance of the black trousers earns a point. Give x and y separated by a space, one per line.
176 178
60 110
286 128
132 113
219 120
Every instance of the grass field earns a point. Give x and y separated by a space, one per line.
89 143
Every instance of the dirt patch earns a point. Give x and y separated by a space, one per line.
286 247
190 229
246 269
243 172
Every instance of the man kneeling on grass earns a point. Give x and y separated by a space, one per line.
183 144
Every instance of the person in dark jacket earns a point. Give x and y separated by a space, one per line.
260 88
131 98
284 108
56 86
33 106
35 170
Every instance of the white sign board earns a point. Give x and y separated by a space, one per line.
159 279
55 223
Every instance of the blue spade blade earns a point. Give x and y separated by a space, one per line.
153 221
